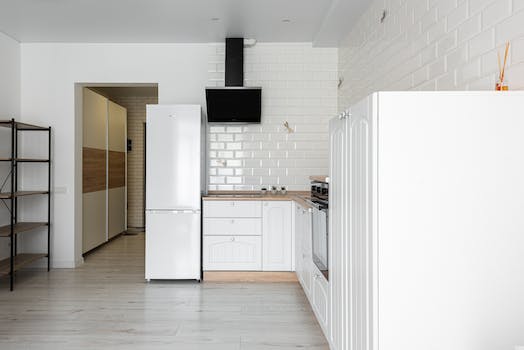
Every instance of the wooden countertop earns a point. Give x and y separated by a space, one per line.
301 197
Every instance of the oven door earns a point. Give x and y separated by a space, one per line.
320 239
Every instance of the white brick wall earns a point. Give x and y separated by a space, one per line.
432 45
136 117
299 85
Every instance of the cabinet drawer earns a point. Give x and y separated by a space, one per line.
233 227
232 209
232 253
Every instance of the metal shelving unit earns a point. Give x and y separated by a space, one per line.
10 199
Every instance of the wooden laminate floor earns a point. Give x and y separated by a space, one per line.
106 304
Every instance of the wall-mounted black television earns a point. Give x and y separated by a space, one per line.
240 105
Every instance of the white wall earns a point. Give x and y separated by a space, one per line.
182 71
432 45
49 75
10 77
9 108
299 85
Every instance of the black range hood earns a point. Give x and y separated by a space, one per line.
234 103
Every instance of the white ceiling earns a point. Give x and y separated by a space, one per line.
319 21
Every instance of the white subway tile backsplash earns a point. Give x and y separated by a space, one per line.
226 171
518 5
217 145
510 28
225 154
234 163
469 29
482 43
426 54
225 137
495 13
457 16
236 146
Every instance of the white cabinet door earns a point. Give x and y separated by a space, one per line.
307 251
276 236
321 299
338 235
298 241
232 253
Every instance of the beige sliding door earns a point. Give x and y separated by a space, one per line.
104 169
94 172
117 145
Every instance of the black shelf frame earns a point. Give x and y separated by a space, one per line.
12 198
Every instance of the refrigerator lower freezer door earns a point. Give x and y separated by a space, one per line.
173 245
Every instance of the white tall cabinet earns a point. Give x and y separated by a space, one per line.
426 234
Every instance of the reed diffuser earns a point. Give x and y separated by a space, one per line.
501 83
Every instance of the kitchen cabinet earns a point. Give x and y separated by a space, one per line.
427 219
232 253
247 235
303 250
314 284
232 236
277 236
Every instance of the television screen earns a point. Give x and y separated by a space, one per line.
234 105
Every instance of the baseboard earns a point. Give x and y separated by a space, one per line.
249 276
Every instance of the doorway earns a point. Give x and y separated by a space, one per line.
134 100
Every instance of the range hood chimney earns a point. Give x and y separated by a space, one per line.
234 62
234 103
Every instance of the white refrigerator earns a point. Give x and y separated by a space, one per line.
173 192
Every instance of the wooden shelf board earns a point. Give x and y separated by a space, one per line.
7 195
25 160
21 260
5 231
21 126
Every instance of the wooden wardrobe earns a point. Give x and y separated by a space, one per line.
104 166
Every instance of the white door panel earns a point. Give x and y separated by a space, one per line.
277 237
172 245
226 253
173 157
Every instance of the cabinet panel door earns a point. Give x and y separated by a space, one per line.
276 236
298 241
307 250
232 253
321 301
93 220
338 238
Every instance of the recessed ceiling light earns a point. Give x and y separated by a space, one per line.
286 20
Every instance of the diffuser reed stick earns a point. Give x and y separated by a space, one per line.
502 70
